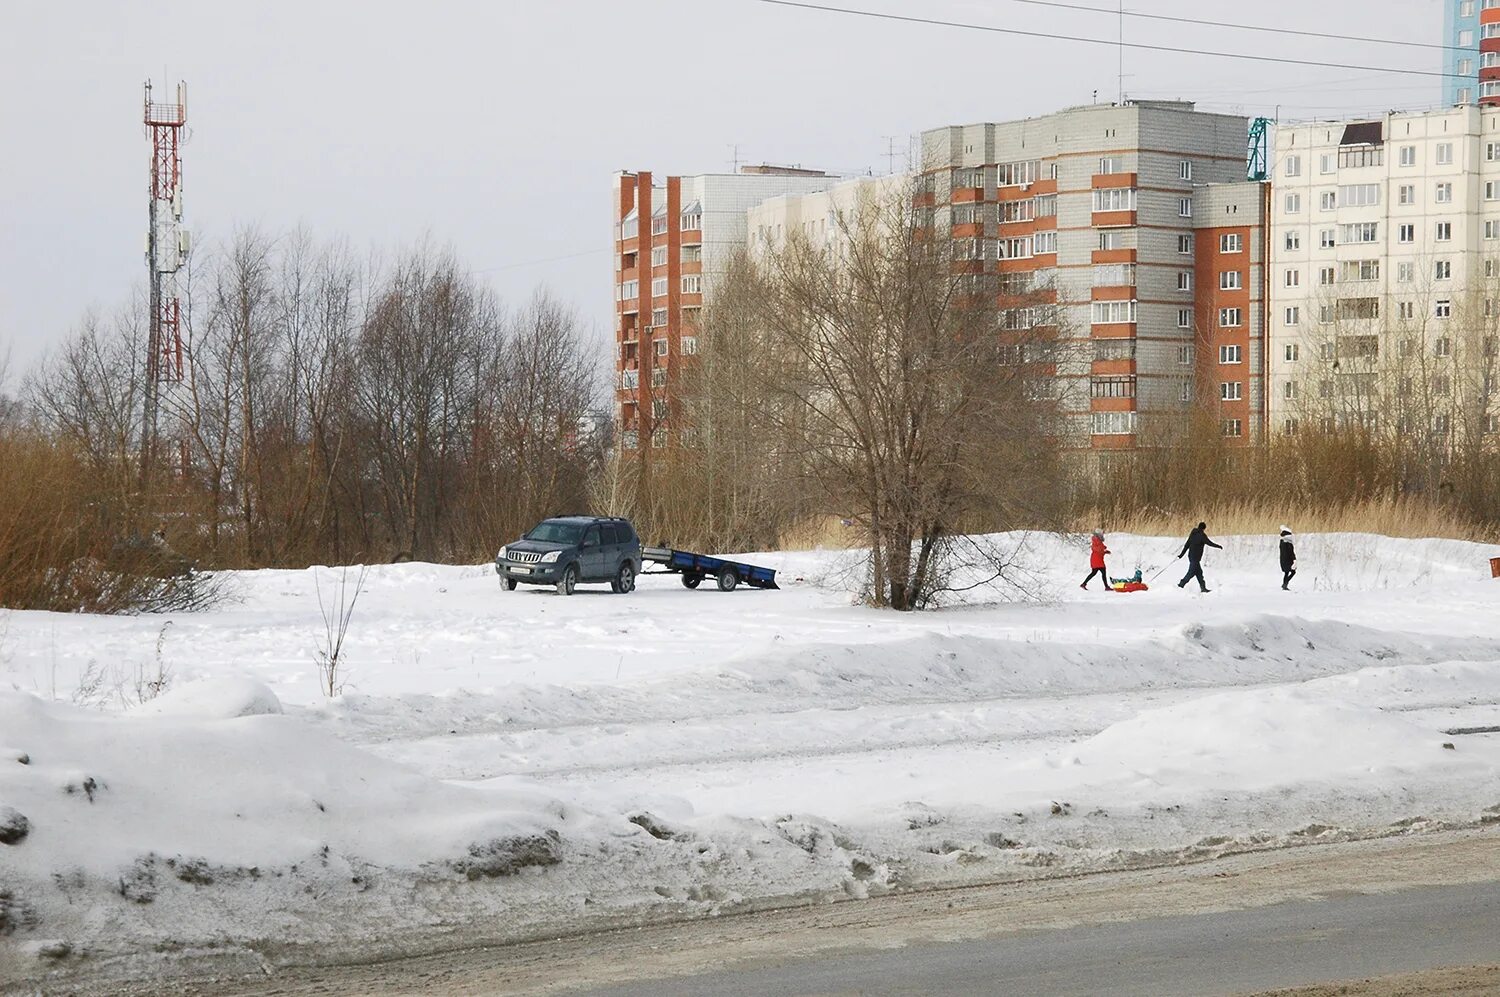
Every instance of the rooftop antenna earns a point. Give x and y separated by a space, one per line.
890 154
735 154
1122 53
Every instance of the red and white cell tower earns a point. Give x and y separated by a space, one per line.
166 253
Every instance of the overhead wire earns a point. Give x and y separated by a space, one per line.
1111 43
1204 22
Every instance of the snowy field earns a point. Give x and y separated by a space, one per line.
508 765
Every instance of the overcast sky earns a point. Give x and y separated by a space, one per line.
495 127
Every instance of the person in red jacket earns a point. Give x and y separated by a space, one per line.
1096 561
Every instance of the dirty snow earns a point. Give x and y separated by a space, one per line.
502 765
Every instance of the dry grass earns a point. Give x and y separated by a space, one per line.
1399 517
818 533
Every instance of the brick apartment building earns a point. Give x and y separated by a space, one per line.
671 242
1100 211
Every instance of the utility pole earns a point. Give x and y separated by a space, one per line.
166 252
1122 53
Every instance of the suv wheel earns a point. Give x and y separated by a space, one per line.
569 580
728 579
509 584
625 580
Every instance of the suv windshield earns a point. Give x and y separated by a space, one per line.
556 533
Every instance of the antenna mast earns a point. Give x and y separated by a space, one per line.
166 252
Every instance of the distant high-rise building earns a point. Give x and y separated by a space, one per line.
1461 60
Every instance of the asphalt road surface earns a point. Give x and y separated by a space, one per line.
1340 938
1423 904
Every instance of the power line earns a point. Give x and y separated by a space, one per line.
1239 27
1112 43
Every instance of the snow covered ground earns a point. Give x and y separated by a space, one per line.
505 765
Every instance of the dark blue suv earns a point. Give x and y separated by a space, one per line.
570 549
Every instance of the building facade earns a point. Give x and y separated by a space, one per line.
1461 57
1092 212
1231 251
1385 272
672 241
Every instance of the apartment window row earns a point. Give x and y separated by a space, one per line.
1112 387
1115 199
1112 423
1113 312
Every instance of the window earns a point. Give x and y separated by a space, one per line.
1289 390
1289 427
1406 234
1326 239
692 254
1443 193
1229 280
1357 270
1292 205
1292 353
1293 278
1359 232
1292 316
1115 275
1185 356
1492 230
630 379
659 377
1406 273
1445 154
1111 240
1443 310
1184 280
1354 156
1491 190
1408 155
1112 423
692 284
1112 387
630 290
1185 390
1444 232
659 287
1294 166
1326 276
659 256
1111 164
1115 199
1185 170
1441 385
661 347
659 223
692 218
1229 391
1443 270
1328 200
1113 312
1229 354
1293 240
1232 428
1184 318
1184 207
1185 245
1406 194
1326 163
1406 310
659 317
1360 195
1229 318
689 345
1230 243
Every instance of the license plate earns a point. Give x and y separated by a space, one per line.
520 570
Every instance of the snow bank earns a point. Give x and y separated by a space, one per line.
216 699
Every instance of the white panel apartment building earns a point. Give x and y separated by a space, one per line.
1385 271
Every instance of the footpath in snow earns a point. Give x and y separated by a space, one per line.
505 765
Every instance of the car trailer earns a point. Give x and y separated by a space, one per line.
696 567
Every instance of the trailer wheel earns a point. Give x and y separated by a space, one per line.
509 584
691 581
728 579
569 580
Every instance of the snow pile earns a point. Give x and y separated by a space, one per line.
510 764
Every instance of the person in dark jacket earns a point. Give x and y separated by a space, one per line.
1288 559
1196 541
1096 560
